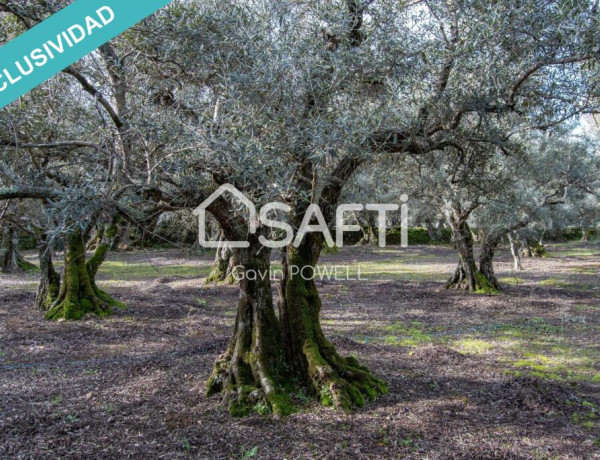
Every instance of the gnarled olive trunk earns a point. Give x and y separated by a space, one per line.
77 296
11 260
486 260
224 265
369 228
268 356
78 293
252 373
49 286
514 250
466 275
338 381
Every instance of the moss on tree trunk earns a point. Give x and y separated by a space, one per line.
224 265
79 295
486 265
338 381
251 374
49 285
11 260
466 276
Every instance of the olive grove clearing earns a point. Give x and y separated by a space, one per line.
516 368
483 115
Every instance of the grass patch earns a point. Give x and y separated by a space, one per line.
473 346
576 252
137 271
512 280
584 307
555 282
412 334
396 270
531 326
587 418
565 364
586 270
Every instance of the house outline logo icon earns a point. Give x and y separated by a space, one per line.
200 211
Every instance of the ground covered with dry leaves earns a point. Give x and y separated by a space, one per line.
470 376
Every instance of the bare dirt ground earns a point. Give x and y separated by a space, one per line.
513 376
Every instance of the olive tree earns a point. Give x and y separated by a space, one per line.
70 145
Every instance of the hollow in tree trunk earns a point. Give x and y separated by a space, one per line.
78 293
11 260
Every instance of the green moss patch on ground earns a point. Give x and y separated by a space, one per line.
138 271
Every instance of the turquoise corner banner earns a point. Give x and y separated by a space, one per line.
64 38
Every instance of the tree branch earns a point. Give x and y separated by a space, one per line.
25 191
91 89
537 66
